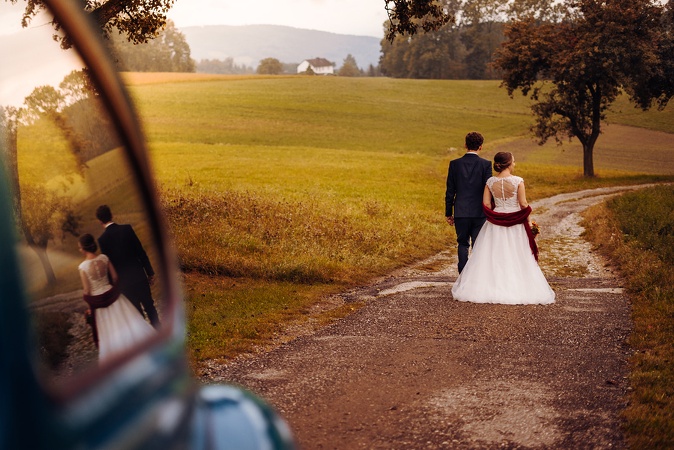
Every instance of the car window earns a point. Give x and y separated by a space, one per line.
63 159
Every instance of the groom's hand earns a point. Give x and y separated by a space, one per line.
450 220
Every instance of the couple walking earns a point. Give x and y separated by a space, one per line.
116 285
491 215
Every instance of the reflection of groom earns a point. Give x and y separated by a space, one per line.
122 246
466 179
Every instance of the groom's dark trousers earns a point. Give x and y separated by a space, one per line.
466 179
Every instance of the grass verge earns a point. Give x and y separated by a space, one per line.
636 231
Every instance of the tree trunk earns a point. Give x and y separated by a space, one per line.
41 251
588 162
588 144
46 265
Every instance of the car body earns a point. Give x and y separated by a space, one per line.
67 147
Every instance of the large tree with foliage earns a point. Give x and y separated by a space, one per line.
139 20
349 67
168 52
270 66
410 16
45 217
574 68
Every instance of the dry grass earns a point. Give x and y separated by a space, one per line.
650 280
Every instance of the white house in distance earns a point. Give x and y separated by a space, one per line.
320 66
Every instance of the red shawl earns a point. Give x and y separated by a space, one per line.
99 301
514 218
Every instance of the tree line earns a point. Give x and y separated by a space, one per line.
170 52
460 47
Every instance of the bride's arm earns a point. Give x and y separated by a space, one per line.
85 283
486 197
522 196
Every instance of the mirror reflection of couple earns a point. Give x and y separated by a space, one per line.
116 286
491 215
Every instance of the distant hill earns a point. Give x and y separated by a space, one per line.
248 44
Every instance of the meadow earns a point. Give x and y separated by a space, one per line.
282 190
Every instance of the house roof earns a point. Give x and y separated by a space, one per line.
319 62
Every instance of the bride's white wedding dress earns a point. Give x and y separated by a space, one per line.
120 325
502 268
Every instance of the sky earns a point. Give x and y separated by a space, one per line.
359 17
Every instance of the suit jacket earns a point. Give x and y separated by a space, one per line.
466 179
126 253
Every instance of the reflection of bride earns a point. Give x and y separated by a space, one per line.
117 323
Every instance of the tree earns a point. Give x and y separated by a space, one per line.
139 20
168 52
459 49
482 34
408 16
270 66
72 108
349 67
44 215
575 68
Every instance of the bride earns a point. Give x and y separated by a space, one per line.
117 323
503 266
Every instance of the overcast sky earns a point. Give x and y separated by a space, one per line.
359 17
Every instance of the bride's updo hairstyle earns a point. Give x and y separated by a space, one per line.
502 160
88 243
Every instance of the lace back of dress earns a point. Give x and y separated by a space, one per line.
504 191
97 270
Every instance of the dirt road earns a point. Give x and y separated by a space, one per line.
414 369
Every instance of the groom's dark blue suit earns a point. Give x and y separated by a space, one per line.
466 179
133 267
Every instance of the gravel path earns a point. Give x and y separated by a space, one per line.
414 369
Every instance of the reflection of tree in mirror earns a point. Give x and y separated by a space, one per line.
45 215
74 109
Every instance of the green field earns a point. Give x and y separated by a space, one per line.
280 190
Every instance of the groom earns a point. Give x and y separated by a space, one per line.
122 246
466 179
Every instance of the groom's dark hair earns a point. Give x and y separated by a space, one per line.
474 140
103 213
